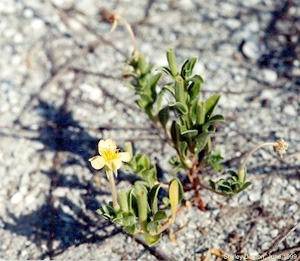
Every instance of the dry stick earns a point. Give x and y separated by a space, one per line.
279 241
279 254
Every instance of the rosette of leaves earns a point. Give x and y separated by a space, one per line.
139 211
231 185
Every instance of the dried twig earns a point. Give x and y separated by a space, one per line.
279 240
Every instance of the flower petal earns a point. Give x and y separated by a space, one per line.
116 164
124 156
107 144
97 162
109 164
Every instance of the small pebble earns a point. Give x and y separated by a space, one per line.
290 110
251 50
16 198
269 75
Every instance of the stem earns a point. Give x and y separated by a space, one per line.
241 171
170 220
110 175
131 34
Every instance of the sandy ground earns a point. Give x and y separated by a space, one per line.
61 90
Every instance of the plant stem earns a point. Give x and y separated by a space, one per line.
131 34
241 171
110 175
170 220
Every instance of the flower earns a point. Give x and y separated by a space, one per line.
109 156
281 147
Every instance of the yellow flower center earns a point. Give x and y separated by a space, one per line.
109 154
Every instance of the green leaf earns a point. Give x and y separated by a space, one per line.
141 195
132 204
175 195
129 220
176 132
175 161
176 169
246 185
130 85
169 88
183 149
210 105
149 175
201 141
142 161
224 187
160 215
142 64
146 98
142 103
212 184
216 118
200 113
188 67
172 62
163 116
197 79
166 201
154 80
181 94
122 199
130 229
184 65
191 133
131 74
153 196
153 227
165 70
182 108
151 240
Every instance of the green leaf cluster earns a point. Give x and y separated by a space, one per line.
230 186
140 165
188 119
